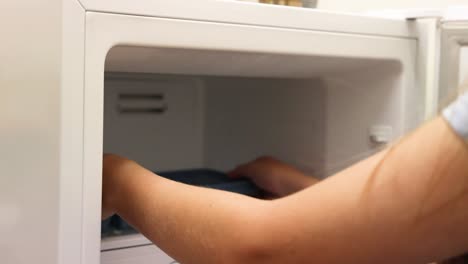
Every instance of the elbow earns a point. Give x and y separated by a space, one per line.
256 251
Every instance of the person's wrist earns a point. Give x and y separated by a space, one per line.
116 172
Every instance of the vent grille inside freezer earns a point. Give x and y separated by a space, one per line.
141 103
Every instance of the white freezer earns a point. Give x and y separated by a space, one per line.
232 79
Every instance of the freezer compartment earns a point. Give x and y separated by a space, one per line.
321 125
180 110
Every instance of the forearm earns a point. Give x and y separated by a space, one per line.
194 225
293 183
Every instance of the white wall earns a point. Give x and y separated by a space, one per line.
364 5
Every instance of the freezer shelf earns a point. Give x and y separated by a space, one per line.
139 255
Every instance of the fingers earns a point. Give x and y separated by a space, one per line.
239 171
252 168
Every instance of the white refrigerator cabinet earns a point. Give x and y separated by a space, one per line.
338 79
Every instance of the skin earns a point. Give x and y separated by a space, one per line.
408 204
274 176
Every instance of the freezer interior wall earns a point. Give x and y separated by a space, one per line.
320 124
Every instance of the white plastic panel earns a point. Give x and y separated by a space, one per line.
231 63
72 111
122 242
463 68
248 118
237 12
357 103
155 139
136 255
429 62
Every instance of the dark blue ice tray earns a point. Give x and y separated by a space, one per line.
215 180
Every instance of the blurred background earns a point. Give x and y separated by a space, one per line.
367 5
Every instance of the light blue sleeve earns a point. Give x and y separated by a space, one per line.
457 116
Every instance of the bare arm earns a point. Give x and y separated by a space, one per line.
409 208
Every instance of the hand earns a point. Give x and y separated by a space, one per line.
112 179
274 176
